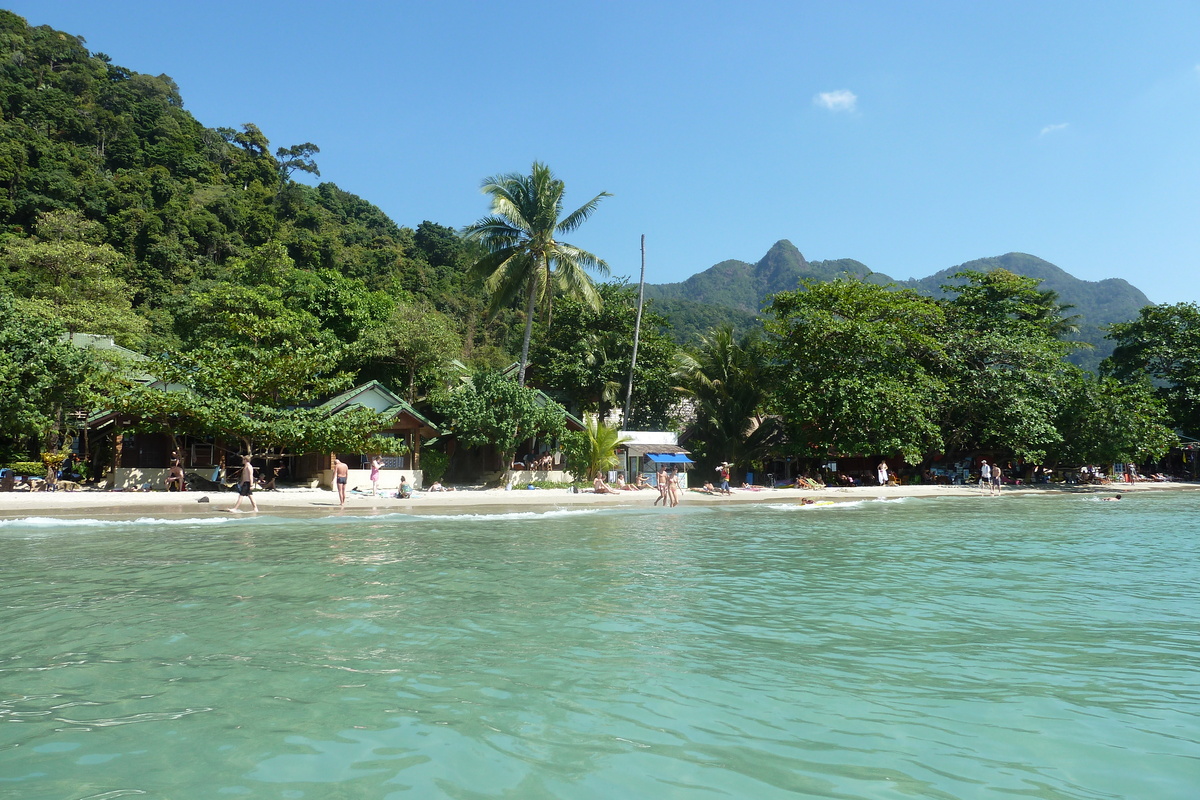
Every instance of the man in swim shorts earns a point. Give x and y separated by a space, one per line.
246 485
341 473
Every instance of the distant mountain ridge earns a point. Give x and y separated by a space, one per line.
741 289
745 287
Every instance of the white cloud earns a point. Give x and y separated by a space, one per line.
840 100
1060 126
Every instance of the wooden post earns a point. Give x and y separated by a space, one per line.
637 332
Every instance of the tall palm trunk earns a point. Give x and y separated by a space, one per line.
549 291
529 308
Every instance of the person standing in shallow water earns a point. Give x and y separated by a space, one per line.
246 486
661 480
341 473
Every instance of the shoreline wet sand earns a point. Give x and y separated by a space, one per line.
309 503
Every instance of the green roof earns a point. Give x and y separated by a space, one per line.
346 399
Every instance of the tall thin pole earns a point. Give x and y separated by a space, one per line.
637 333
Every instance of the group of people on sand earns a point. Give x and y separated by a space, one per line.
668 486
600 486
341 476
990 477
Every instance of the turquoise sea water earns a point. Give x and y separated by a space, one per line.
1034 647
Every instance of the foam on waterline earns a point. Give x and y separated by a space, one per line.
42 523
511 515
818 506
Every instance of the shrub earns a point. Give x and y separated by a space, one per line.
35 468
433 465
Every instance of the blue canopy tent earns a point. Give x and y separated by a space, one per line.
669 458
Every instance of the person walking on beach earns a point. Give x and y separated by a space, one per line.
882 473
985 475
341 473
376 465
997 479
673 488
246 486
724 471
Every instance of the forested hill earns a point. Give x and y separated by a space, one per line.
738 285
105 162
743 288
734 291
1100 302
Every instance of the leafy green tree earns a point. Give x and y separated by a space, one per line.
593 450
494 410
43 380
62 275
248 343
857 369
251 362
1004 368
411 348
1000 297
524 257
583 361
1103 421
297 158
1164 344
204 396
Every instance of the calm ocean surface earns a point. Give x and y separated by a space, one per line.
1036 647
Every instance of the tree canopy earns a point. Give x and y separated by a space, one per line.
1164 344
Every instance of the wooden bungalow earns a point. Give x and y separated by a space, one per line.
405 423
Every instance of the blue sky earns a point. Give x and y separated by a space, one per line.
910 136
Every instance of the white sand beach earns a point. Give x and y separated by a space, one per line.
319 502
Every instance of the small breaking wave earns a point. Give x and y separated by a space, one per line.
820 505
511 515
42 523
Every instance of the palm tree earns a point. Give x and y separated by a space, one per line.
600 443
524 257
725 380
